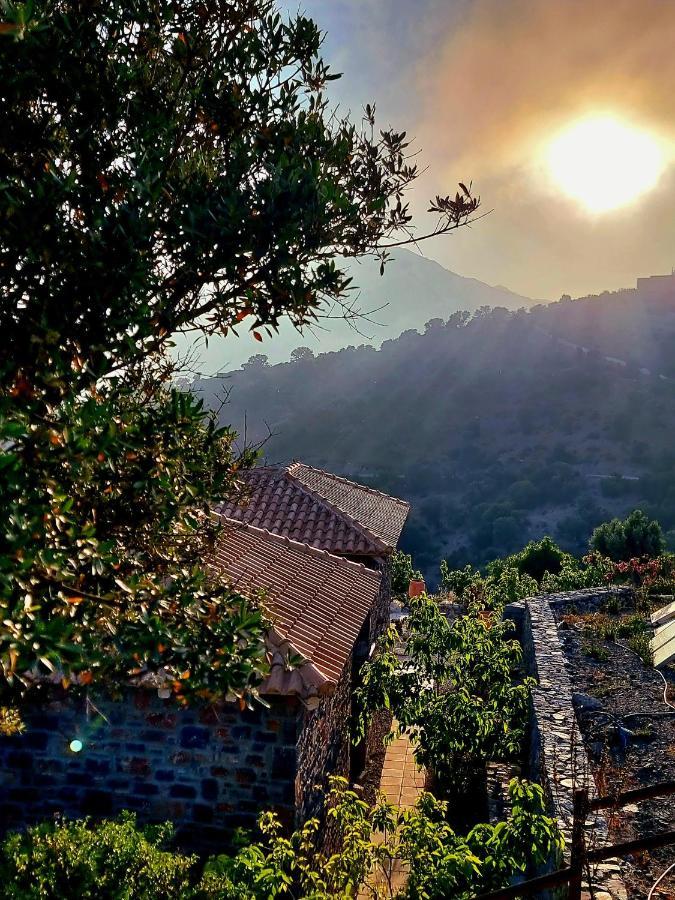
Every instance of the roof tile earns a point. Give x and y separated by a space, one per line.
316 508
317 601
383 516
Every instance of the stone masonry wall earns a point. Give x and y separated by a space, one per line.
558 757
323 747
208 770
379 620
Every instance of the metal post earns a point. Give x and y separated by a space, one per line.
578 844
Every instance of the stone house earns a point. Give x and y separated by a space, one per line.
320 548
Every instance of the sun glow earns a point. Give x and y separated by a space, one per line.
604 163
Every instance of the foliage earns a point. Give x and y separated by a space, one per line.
115 859
458 580
598 627
505 585
509 586
536 560
454 694
106 861
166 166
402 572
11 722
634 536
591 571
641 645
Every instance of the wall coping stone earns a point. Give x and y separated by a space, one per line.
558 754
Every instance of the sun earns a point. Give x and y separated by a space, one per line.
604 163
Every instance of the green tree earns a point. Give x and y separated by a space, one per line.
402 572
458 580
165 166
454 693
537 558
634 536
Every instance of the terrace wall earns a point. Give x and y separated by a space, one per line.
557 756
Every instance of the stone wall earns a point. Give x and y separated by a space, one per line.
323 748
208 770
558 758
379 619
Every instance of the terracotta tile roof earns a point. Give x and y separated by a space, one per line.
319 509
317 601
280 504
383 516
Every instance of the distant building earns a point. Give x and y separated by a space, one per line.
320 548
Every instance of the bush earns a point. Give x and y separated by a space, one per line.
535 560
113 860
402 572
458 580
117 860
635 536
456 693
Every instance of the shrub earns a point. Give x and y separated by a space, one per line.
458 580
113 860
535 560
635 536
402 572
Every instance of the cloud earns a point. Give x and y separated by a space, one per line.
501 84
483 84
517 69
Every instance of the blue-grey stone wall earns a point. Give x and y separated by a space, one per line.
324 748
209 770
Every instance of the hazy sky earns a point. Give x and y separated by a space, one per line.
485 85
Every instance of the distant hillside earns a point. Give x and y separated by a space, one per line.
634 326
496 431
412 290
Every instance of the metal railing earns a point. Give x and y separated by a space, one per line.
581 857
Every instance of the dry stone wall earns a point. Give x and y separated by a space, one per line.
558 758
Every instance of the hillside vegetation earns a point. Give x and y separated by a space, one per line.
492 425
411 290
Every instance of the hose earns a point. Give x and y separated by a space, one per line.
659 880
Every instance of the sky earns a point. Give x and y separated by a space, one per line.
486 87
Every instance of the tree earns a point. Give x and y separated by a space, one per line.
534 560
164 166
634 537
402 572
454 692
257 361
299 353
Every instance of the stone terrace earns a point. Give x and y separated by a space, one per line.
558 757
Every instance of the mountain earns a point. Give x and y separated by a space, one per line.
412 290
498 429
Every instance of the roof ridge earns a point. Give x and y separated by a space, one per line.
356 484
337 510
300 546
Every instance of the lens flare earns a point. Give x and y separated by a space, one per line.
76 746
604 163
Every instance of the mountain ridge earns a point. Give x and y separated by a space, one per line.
413 290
